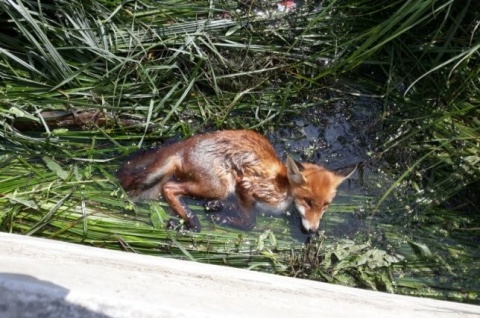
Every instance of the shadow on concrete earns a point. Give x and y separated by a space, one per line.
26 296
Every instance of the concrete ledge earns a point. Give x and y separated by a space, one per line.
46 278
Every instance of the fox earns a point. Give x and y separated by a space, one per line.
238 169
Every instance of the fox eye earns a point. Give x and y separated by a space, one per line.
308 201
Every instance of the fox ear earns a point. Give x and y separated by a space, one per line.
294 171
345 173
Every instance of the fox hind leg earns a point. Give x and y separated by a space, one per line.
174 189
172 192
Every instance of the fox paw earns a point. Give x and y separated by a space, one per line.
192 225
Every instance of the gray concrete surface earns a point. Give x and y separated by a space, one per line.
46 278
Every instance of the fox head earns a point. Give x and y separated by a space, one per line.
313 189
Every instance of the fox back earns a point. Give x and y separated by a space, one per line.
236 167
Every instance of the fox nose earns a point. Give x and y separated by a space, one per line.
309 227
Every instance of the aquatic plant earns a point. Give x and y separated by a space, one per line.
85 83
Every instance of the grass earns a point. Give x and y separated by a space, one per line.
84 84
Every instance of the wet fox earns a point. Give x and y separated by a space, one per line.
238 167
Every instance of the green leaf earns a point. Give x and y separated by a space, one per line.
421 249
158 216
28 203
19 113
55 167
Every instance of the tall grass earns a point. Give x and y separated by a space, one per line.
434 105
85 83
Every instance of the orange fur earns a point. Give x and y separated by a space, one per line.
238 164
